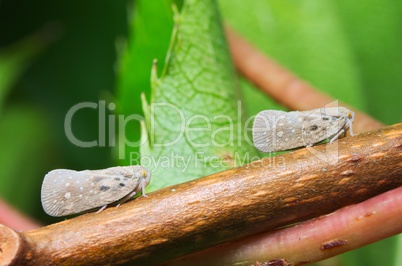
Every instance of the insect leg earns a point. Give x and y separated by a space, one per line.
337 135
310 149
143 191
126 198
101 209
350 127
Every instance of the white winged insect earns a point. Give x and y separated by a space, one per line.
66 192
275 130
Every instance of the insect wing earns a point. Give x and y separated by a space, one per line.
59 195
278 131
320 124
117 182
270 129
67 192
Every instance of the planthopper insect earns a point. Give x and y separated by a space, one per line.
66 192
275 130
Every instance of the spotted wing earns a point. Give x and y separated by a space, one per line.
268 129
66 192
320 124
278 131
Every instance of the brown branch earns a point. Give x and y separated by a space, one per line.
222 207
283 85
346 229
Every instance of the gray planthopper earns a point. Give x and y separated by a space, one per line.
275 130
66 192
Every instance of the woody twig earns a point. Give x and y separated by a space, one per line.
219 208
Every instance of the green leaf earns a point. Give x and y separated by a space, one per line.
14 60
374 36
195 122
350 52
148 39
304 36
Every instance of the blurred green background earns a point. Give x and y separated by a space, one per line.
54 55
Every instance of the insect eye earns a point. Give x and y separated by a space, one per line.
144 174
349 115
